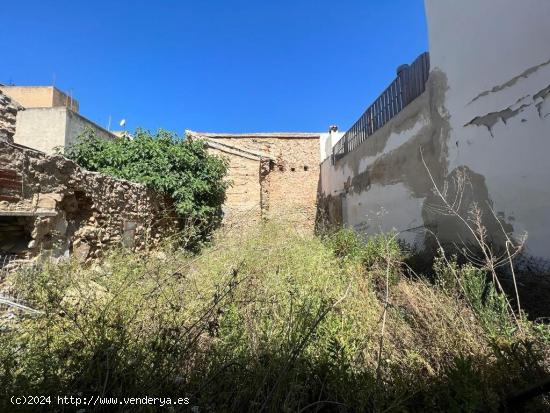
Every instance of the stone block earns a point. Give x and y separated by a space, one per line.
48 201
81 250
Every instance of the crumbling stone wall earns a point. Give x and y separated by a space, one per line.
69 210
8 115
276 175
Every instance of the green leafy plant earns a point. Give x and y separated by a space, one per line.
473 285
347 244
179 168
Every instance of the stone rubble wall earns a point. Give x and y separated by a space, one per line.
8 115
69 210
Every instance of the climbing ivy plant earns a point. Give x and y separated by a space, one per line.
175 166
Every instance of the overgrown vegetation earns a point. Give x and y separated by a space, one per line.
271 320
179 168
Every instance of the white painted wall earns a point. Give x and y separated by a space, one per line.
502 47
326 143
486 111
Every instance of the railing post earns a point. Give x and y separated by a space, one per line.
346 144
403 75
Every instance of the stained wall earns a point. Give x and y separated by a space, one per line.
480 135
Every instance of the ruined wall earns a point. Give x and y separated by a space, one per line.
292 182
243 198
65 209
283 184
8 114
482 127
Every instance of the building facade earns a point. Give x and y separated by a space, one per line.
49 129
46 119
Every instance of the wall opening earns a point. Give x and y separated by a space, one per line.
15 235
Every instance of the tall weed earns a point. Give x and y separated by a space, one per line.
269 319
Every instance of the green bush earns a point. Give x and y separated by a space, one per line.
474 286
376 250
179 168
346 244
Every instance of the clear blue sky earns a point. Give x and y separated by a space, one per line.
213 65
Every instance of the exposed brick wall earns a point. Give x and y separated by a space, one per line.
294 181
286 188
243 197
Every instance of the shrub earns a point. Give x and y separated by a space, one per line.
376 250
346 244
179 168
474 286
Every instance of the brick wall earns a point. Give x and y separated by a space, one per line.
293 182
276 176
243 197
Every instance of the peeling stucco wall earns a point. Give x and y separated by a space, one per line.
482 126
498 100
383 185
65 209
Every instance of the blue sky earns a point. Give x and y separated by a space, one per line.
213 65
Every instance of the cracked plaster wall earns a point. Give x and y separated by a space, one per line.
485 115
498 100
382 185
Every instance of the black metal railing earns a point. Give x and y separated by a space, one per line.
407 86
